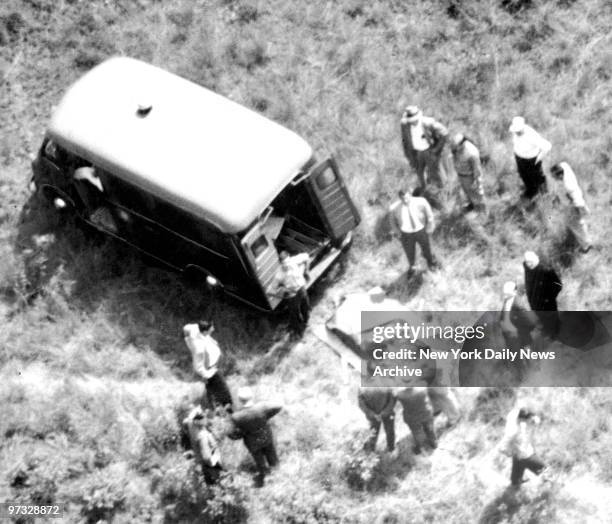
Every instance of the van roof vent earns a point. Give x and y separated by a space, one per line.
144 108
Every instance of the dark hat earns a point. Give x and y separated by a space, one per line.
557 170
204 325
525 413
411 114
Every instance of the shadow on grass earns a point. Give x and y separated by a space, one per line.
145 304
457 229
403 288
377 472
502 507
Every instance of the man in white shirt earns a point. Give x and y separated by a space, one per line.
413 221
516 443
578 210
291 285
423 141
529 150
206 354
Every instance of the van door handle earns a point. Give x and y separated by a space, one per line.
300 178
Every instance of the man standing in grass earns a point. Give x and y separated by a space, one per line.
423 141
250 423
203 444
466 158
418 415
529 150
291 285
412 220
378 405
517 444
205 353
542 285
578 210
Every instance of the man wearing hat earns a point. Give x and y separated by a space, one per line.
423 140
542 285
529 150
578 210
466 158
517 443
203 445
251 424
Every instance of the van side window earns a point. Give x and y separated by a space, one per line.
51 150
259 246
59 156
188 225
326 179
127 195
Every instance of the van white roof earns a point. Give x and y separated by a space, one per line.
195 148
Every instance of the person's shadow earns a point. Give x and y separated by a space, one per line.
405 287
502 507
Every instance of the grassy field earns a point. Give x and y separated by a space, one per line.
93 371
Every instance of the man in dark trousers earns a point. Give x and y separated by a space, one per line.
424 140
412 220
418 415
250 423
206 354
518 325
529 150
378 406
290 284
542 285
517 444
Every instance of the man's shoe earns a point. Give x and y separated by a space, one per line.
469 207
585 250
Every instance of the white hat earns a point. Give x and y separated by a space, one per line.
245 395
376 294
517 125
509 288
190 330
531 258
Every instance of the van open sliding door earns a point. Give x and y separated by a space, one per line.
332 199
264 260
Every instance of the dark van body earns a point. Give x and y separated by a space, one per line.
192 179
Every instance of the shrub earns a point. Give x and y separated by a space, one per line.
102 494
516 6
185 496
246 13
293 504
492 404
248 53
36 469
373 472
